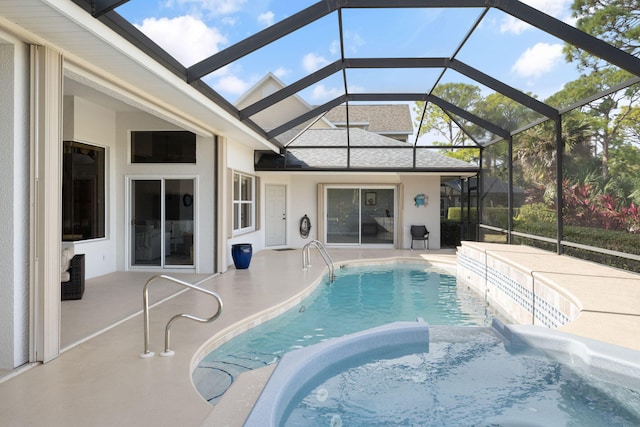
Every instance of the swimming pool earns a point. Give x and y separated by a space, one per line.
409 373
361 297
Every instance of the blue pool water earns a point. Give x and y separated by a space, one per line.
361 297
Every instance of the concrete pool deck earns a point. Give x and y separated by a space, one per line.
607 299
104 382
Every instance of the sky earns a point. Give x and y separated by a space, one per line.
502 46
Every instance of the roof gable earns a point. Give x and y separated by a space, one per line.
279 113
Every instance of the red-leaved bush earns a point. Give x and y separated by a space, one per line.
584 206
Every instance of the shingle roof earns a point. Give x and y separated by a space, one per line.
401 156
382 118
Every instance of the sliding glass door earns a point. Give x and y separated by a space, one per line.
162 222
360 215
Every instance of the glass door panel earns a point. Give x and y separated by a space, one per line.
378 215
162 212
343 215
179 206
146 232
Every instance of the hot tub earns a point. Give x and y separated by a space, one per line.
408 373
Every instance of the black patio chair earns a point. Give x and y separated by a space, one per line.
420 232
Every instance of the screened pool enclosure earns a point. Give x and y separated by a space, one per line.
541 106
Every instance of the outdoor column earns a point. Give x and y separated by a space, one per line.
46 190
510 190
559 175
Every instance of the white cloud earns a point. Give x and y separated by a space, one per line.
538 60
232 85
556 8
551 7
266 18
312 62
229 21
513 25
334 48
214 7
281 72
352 41
186 38
321 93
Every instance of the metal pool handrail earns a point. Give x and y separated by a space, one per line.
145 298
306 259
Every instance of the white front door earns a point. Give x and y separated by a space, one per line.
275 215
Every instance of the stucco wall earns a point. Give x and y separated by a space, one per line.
97 125
90 123
240 159
428 214
203 171
302 197
93 124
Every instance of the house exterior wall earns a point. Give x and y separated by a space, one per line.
240 159
203 172
429 215
97 125
93 124
302 198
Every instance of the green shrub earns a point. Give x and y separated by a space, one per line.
614 240
536 212
543 229
517 240
498 217
619 241
455 213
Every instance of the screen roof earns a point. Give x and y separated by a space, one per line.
326 54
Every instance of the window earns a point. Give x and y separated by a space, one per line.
163 147
243 203
83 180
